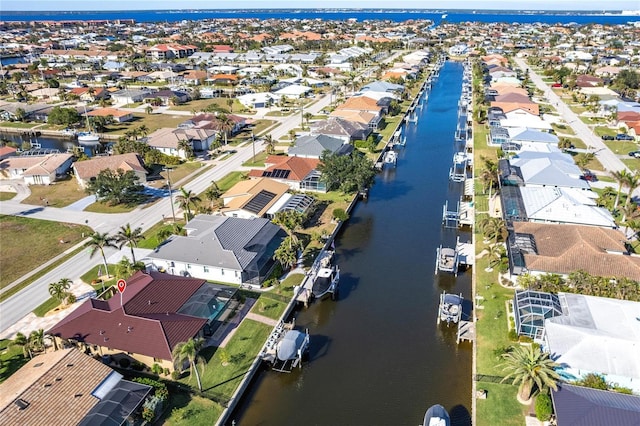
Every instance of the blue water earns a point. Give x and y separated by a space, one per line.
377 356
396 15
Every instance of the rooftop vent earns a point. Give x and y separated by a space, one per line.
40 364
21 403
70 365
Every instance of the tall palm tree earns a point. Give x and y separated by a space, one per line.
186 199
621 178
21 341
225 126
531 368
185 146
632 182
286 254
36 340
98 242
143 130
213 194
189 352
126 235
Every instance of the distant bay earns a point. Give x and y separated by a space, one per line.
396 15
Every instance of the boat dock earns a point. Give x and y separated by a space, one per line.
305 290
466 331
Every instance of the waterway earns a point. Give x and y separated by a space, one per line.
49 142
377 356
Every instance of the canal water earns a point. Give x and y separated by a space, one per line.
49 142
377 355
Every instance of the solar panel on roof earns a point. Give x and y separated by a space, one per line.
261 199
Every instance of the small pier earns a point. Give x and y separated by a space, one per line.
466 255
450 218
466 331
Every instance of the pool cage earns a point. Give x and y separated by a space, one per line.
531 309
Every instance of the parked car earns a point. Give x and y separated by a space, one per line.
623 137
607 138
588 175
634 154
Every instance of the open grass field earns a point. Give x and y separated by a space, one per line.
153 122
41 237
60 194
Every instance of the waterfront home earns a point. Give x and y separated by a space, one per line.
68 387
166 140
513 101
541 248
221 249
577 406
36 170
7 151
155 313
530 168
338 127
253 198
547 204
118 115
257 100
87 170
298 173
212 121
383 86
312 146
166 97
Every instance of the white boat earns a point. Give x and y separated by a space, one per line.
436 415
447 260
450 308
327 280
88 138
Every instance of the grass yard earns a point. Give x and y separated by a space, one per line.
11 358
500 407
18 125
258 161
201 104
42 237
621 147
4 196
59 194
220 381
151 240
46 306
176 174
100 207
632 163
187 410
269 307
152 121
229 180
92 274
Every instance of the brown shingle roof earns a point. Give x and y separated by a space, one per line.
149 323
56 385
91 168
563 249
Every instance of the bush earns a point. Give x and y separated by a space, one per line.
513 335
124 362
543 407
525 339
156 369
340 214
175 375
138 366
159 388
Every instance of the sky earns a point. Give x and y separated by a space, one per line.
64 5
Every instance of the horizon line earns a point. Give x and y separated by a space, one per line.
437 9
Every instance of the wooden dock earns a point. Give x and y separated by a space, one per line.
466 331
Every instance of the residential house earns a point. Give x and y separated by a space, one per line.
212 121
298 173
221 249
118 115
253 198
578 406
166 140
313 146
513 101
68 387
531 168
36 170
87 170
155 313
7 151
541 248
90 94
167 97
129 96
338 127
170 51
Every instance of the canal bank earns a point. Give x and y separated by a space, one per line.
377 355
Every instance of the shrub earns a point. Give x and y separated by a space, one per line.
156 369
71 298
543 407
159 388
138 366
124 362
525 339
340 214
175 375
513 335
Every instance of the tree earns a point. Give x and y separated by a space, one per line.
148 109
287 253
290 221
348 173
185 200
185 146
98 242
117 187
126 235
489 174
270 144
225 125
632 182
22 342
189 351
531 368
621 177
60 290
63 116
213 194
125 268
36 340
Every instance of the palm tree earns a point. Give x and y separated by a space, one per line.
213 194
22 341
531 368
185 146
292 134
290 221
148 109
270 144
60 290
98 242
36 340
125 268
286 254
143 130
126 235
622 178
185 200
632 182
189 352
225 126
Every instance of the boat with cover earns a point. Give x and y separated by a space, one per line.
436 415
450 309
285 348
447 260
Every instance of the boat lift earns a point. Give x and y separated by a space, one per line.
450 218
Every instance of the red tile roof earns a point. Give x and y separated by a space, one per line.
147 323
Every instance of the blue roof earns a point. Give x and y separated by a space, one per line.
579 406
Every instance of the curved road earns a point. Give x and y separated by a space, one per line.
25 301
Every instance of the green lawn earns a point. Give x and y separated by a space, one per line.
92 274
4 196
258 161
187 410
602 130
229 180
151 240
501 406
269 307
153 122
11 359
60 194
632 163
28 243
100 207
621 147
46 306
218 381
18 124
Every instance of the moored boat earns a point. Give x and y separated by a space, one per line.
436 415
285 348
88 138
326 281
447 260
450 308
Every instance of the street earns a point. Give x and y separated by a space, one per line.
25 301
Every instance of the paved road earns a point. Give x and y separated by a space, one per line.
23 302
610 161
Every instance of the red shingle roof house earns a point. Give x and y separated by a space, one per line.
86 170
119 116
158 311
